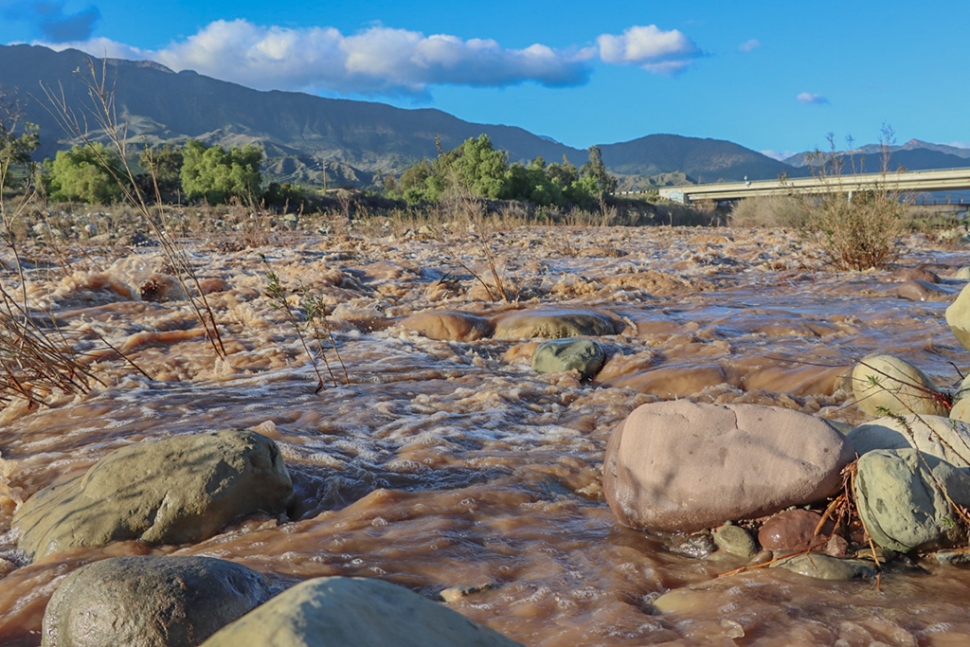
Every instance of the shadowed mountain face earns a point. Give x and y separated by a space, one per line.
705 160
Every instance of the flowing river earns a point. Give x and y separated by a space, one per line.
437 464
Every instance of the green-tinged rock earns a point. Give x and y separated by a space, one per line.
958 316
887 384
174 491
150 602
354 612
824 567
901 504
552 323
938 436
583 355
735 540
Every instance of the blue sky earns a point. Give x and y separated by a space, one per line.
772 76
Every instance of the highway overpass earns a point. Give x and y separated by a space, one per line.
908 182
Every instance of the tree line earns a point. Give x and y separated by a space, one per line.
194 172
477 169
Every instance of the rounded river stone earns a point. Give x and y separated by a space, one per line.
174 491
150 601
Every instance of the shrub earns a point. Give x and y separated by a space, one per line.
770 211
212 174
89 173
857 231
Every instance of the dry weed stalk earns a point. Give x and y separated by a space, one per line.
102 109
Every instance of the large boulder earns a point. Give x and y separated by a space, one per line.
150 602
681 466
552 323
958 316
887 384
582 355
899 498
354 612
179 490
446 325
938 436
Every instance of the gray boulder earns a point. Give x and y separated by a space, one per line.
887 384
174 491
553 323
150 602
899 499
583 355
938 436
354 612
681 466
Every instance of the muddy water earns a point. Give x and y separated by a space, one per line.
439 464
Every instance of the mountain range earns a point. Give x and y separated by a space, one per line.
353 142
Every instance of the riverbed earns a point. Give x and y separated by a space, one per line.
435 463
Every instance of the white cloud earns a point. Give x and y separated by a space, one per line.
383 60
749 45
651 48
379 60
812 99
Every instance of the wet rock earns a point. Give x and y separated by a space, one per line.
938 436
698 546
913 274
962 274
791 531
735 540
447 325
901 504
887 384
582 355
150 601
922 291
555 324
958 317
954 557
456 593
836 546
681 466
179 490
826 567
354 612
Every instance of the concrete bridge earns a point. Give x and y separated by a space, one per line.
908 182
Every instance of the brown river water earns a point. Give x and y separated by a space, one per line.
444 463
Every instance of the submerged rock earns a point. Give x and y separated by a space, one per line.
945 438
445 325
825 567
179 490
899 499
150 602
681 466
554 323
583 355
887 384
354 612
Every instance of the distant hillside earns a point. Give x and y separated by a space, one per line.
914 155
705 160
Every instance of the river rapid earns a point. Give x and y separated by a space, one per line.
436 464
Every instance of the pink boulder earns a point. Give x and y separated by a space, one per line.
682 466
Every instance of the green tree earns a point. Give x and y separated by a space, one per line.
596 170
162 168
480 168
212 174
88 173
16 143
